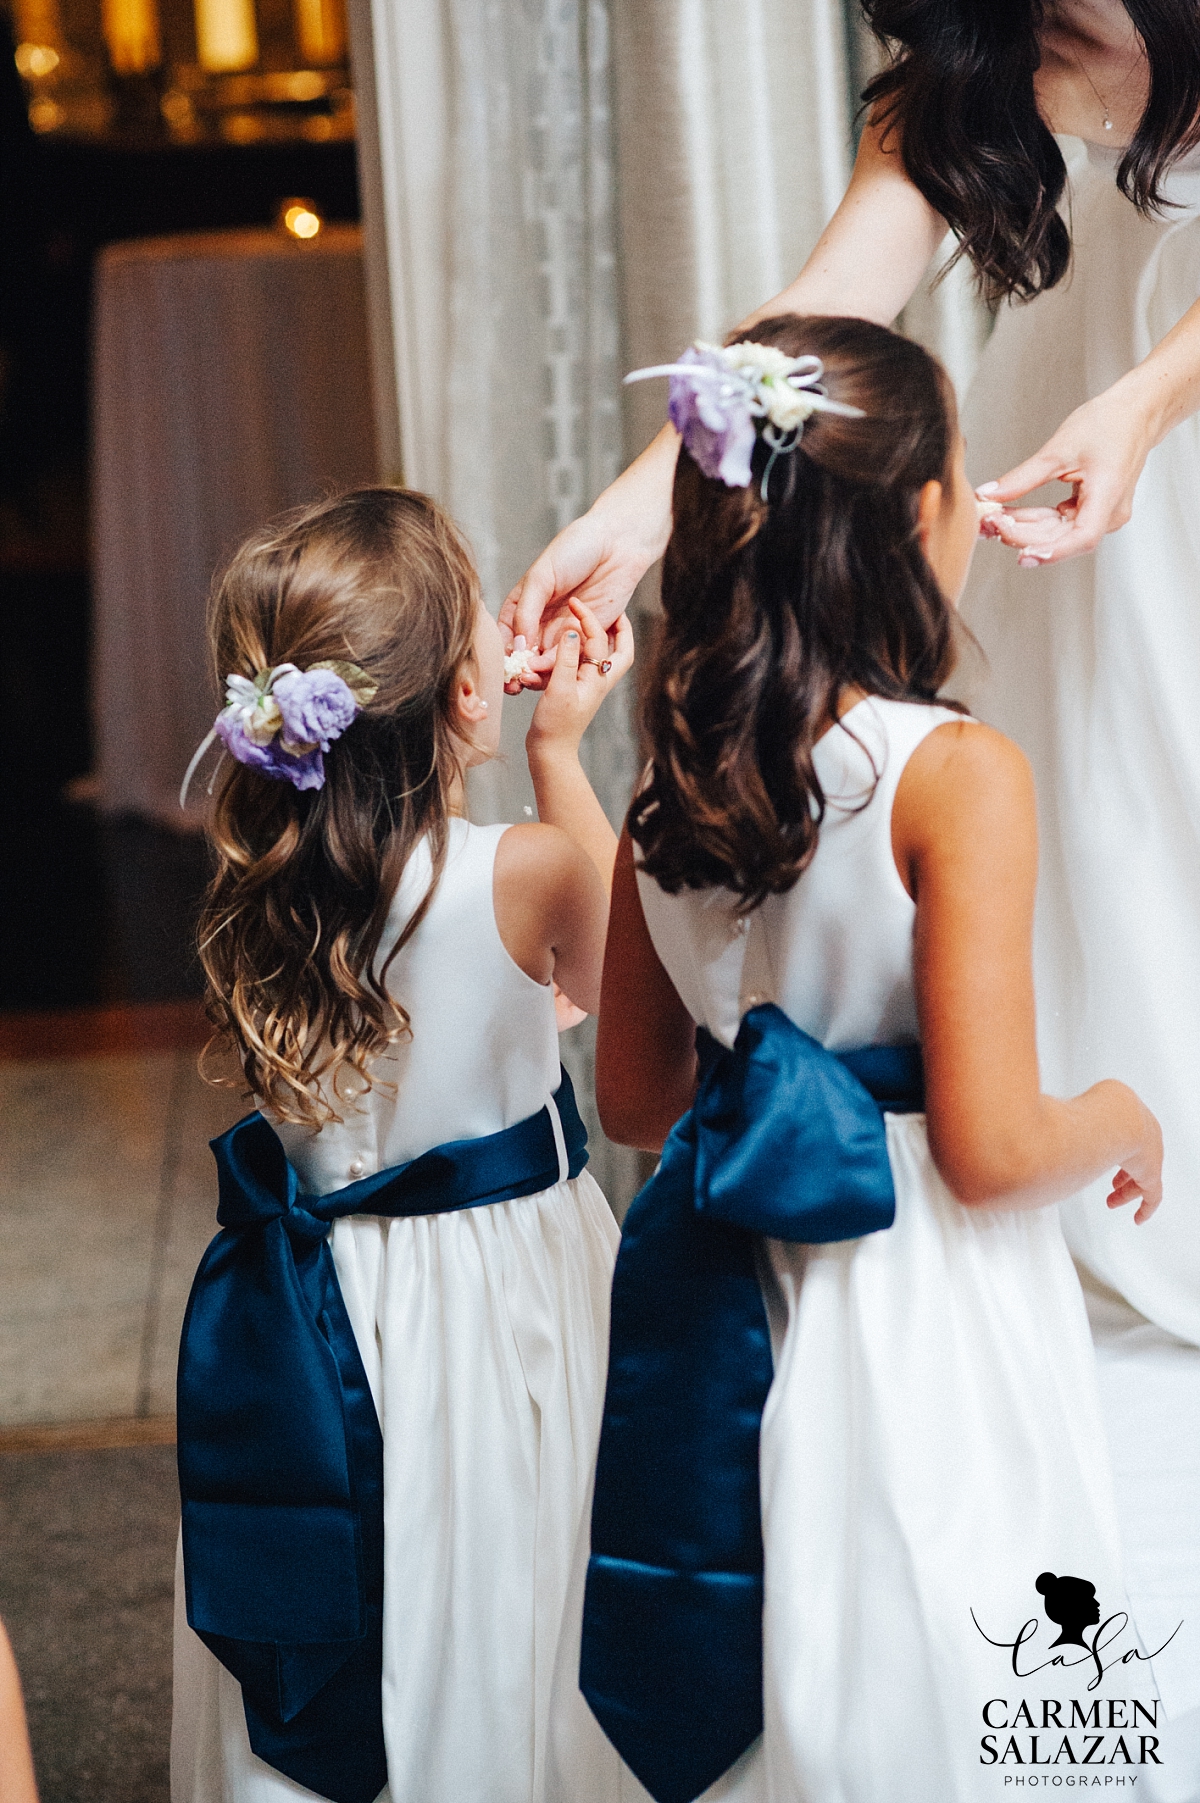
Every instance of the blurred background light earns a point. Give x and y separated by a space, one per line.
34 60
300 218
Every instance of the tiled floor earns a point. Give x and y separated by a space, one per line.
107 1199
87 1556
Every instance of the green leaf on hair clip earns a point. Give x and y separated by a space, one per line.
354 676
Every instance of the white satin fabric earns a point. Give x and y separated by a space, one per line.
1093 667
933 1439
484 1334
931 1443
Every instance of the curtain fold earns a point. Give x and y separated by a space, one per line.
493 188
734 146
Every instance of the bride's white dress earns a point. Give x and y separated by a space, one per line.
1094 668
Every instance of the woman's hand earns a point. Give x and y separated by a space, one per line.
598 560
1099 450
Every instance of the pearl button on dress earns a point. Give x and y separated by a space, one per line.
357 1167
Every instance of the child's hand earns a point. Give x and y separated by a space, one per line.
588 663
566 1014
1141 1175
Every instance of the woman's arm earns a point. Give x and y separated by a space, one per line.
1101 449
867 262
646 1041
964 835
874 251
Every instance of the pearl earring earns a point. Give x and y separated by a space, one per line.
483 705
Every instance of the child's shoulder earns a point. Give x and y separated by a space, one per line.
965 781
543 887
533 856
965 750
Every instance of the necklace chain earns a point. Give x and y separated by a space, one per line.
1104 105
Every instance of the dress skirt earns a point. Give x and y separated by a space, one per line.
932 1444
484 1334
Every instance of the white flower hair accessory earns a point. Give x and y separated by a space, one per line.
723 395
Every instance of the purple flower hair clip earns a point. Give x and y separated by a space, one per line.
721 396
281 721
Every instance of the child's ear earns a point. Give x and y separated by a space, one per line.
469 703
929 507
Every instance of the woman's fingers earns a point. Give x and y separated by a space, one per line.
1099 452
1028 526
525 604
1097 508
1046 465
1049 534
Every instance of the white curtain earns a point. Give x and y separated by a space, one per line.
734 147
487 164
556 191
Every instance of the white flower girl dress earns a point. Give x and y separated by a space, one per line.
932 1441
483 1334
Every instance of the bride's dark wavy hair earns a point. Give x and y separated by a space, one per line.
772 609
294 917
958 95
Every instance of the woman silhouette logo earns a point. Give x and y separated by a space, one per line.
1071 1603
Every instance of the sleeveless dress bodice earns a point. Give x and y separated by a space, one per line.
481 1052
835 951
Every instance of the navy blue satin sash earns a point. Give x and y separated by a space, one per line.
280 1452
784 1139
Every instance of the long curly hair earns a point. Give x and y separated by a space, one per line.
772 609
958 94
291 928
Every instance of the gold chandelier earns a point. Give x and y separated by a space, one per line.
187 71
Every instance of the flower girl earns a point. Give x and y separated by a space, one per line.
851 1439
392 1363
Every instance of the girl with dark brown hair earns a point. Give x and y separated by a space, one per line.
828 878
392 1365
1060 141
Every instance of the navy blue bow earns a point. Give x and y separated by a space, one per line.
280 1452
784 1139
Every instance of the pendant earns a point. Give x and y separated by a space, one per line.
1107 123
